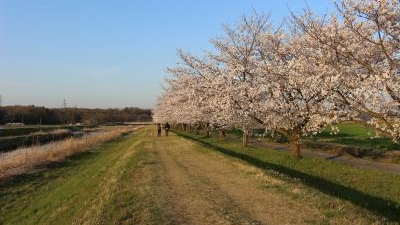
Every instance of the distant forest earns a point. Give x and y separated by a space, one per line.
41 115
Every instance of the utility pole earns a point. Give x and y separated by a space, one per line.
1 101
64 105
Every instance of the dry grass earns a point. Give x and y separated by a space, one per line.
56 131
24 160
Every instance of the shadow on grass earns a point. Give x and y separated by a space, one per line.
383 207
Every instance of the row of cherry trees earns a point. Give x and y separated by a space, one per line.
296 78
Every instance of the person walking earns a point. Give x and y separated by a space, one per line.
167 128
158 130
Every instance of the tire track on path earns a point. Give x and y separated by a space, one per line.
207 188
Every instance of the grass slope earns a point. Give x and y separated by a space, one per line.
114 184
357 135
71 192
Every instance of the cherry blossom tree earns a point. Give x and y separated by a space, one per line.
237 52
191 95
258 75
293 87
294 79
363 39
274 79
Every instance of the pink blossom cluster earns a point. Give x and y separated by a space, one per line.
296 78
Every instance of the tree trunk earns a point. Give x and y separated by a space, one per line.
206 130
245 137
294 141
207 133
222 134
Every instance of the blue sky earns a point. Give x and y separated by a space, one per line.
102 54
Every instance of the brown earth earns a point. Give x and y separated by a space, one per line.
180 182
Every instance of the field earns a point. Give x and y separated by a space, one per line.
185 179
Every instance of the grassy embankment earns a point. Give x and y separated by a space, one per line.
353 139
7 131
357 135
26 159
12 137
376 191
359 141
101 186
73 191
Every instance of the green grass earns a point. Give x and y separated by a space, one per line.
356 135
350 134
351 130
130 202
98 186
377 192
67 192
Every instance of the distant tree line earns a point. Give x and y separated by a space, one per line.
41 115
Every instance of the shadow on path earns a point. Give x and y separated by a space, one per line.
380 206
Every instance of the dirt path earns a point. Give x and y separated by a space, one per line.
207 189
140 179
356 162
182 183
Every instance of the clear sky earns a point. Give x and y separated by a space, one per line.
110 53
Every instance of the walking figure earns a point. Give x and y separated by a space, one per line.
167 127
158 130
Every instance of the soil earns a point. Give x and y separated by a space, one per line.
180 183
